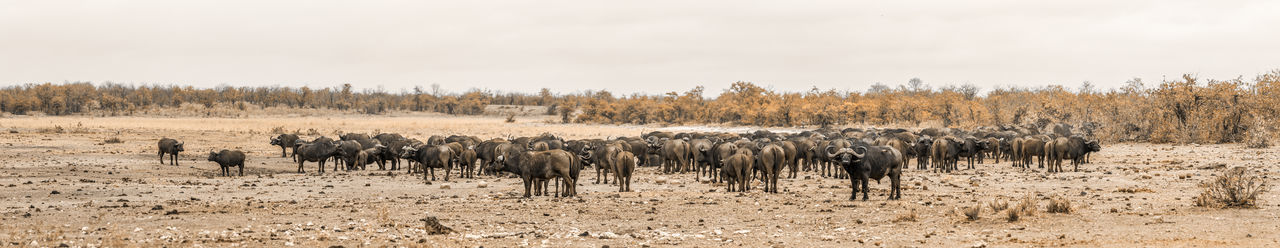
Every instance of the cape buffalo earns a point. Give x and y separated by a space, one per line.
1074 148
534 167
226 159
624 163
318 150
736 170
772 159
430 157
171 147
285 141
922 148
674 153
348 149
874 162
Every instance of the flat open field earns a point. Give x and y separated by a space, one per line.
66 186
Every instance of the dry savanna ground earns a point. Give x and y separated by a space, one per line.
64 185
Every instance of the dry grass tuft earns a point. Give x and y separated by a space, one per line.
997 205
972 213
1012 215
1259 136
1134 189
511 118
1027 206
113 140
1238 187
908 217
1059 204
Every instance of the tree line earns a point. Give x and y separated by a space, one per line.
1184 110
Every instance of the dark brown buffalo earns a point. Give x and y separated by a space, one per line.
431 158
466 163
737 170
318 150
874 162
541 166
923 148
226 159
945 154
674 153
171 147
624 163
1074 148
348 149
772 159
285 141
1033 146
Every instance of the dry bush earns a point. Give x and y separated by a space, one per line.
1237 187
1027 206
54 129
113 140
277 130
972 213
1059 204
908 217
997 205
1134 189
1012 215
511 118
1260 135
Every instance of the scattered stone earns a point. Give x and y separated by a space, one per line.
433 226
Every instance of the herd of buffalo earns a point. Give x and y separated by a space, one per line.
732 158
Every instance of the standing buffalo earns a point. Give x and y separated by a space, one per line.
1074 148
466 163
430 157
674 153
317 151
285 141
534 167
701 151
624 163
171 147
226 159
737 170
922 148
945 154
772 159
1033 146
873 162
348 149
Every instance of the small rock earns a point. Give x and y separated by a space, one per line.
482 184
445 186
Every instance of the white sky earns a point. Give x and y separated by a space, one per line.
633 46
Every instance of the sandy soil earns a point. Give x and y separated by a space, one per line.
72 188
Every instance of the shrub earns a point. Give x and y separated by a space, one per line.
1012 215
1027 206
1259 136
908 217
1134 189
1237 187
972 213
1059 204
997 205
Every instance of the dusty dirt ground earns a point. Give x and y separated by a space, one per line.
72 188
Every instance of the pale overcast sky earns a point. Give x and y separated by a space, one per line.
633 46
